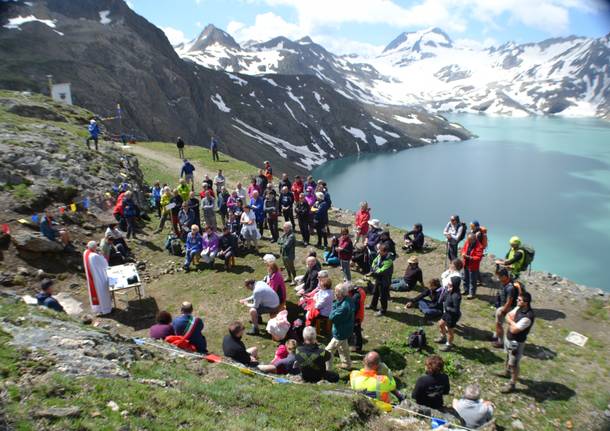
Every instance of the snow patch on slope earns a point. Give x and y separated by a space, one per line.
104 17
217 99
15 23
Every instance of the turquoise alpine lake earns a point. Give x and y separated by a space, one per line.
544 179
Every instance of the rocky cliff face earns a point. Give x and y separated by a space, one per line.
111 55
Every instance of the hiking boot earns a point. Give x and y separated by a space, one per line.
446 348
380 313
508 389
253 331
440 340
186 268
504 374
470 297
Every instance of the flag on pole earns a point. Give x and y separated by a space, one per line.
73 208
118 110
35 218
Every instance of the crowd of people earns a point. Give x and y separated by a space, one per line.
337 309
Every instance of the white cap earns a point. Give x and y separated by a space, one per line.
268 258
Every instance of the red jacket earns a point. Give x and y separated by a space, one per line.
347 246
362 221
118 207
473 263
297 189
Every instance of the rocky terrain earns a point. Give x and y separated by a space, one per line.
111 56
561 76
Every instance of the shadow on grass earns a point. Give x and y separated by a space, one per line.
549 314
139 314
539 352
481 355
409 319
150 245
472 333
394 359
546 391
240 269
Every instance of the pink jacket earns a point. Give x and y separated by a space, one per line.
276 282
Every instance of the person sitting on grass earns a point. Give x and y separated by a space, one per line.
414 239
342 316
472 409
45 296
413 275
227 246
233 347
263 300
374 380
430 388
187 323
433 307
194 246
163 328
311 359
285 357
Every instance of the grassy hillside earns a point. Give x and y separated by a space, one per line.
562 386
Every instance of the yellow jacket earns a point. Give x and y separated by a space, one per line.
374 385
164 202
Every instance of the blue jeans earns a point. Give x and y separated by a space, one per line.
470 281
189 257
426 308
346 270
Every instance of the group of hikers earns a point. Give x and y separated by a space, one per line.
322 307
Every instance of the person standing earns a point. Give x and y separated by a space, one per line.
249 231
472 253
345 249
284 182
186 218
286 204
373 237
188 172
381 270
180 146
506 300
268 171
156 197
94 133
193 203
342 317
520 321
214 148
358 300
183 189
219 182
454 232
130 212
361 225
271 214
287 250
176 204
97 280
303 213
297 188
451 315
209 209
257 206
320 219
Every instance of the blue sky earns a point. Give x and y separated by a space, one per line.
365 26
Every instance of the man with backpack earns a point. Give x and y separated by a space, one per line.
520 321
455 231
517 259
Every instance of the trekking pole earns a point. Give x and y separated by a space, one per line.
446 253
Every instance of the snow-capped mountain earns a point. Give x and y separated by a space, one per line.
296 121
562 76
215 49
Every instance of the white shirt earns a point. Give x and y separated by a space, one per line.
324 301
523 323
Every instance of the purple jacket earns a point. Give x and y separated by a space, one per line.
159 331
210 241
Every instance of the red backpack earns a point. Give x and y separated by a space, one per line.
183 341
483 241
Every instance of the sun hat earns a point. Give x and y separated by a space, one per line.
375 223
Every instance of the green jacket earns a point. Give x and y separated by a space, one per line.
287 243
382 269
342 316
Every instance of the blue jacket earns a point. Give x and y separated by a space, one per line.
94 130
46 228
156 192
258 208
321 215
214 144
129 208
49 302
187 169
194 242
181 325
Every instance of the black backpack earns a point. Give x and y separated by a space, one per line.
463 233
417 340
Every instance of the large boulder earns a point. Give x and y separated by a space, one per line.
35 242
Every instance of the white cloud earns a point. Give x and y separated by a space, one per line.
198 24
265 27
174 36
476 44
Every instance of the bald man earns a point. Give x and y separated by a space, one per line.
375 379
188 325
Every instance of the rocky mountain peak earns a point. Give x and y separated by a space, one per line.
213 35
417 40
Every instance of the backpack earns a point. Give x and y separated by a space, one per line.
173 245
462 234
417 340
530 253
483 241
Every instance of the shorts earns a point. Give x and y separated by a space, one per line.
451 319
514 356
188 177
265 310
500 316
